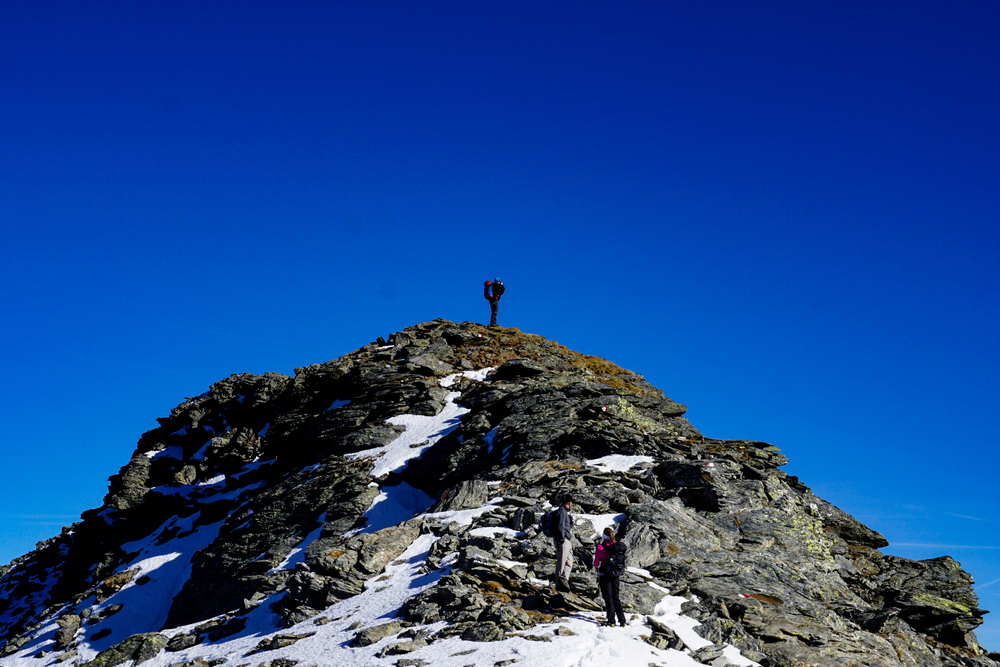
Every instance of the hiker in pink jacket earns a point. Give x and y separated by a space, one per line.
608 583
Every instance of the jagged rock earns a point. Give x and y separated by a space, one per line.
426 364
343 566
107 612
128 488
467 495
181 641
402 648
225 629
483 632
522 519
637 597
663 637
376 633
186 475
518 368
280 640
136 648
710 655
933 596
507 617
68 627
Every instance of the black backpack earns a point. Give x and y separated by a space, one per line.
616 561
548 524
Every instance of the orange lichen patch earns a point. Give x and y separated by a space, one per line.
540 617
562 465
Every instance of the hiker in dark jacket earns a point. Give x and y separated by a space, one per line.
564 550
608 583
493 290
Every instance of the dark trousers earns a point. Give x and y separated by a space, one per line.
494 304
609 591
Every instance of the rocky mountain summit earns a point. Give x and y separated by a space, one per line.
381 509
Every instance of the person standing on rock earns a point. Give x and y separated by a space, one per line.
564 550
607 581
493 290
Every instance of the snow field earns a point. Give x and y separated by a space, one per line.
618 462
421 431
161 570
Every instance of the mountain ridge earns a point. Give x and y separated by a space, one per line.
291 495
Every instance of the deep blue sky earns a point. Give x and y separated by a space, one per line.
785 216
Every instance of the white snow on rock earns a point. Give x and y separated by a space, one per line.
618 462
393 505
461 517
172 452
207 492
329 643
421 432
298 552
493 531
160 572
479 376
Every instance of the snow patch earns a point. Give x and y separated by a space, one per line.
298 553
172 452
461 517
479 376
422 432
207 492
618 462
160 573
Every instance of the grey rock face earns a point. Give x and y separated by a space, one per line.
769 567
136 649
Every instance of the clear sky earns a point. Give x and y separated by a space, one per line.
784 215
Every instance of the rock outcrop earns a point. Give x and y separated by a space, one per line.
269 485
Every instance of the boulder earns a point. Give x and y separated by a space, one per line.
469 494
375 634
136 648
